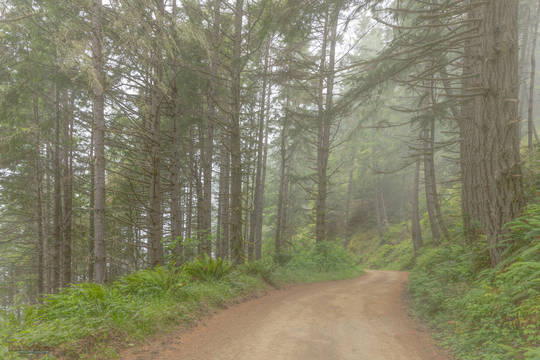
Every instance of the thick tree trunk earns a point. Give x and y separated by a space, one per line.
100 262
498 171
416 230
237 242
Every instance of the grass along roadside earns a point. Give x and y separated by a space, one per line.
478 312
89 321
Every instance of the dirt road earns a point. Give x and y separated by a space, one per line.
360 319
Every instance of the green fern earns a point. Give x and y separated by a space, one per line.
204 268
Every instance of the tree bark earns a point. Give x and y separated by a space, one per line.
237 242
256 217
430 186
468 130
283 184
57 220
530 120
176 213
39 196
346 224
258 233
325 119
155 231
416 230
91 223
207 151
47 233
524 57
100 263
68 189
378 212
498 171
224 201
322 155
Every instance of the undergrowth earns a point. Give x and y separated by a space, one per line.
479 312
88 321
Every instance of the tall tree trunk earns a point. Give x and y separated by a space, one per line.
416 230
346 224
91 223
283 184
199 192
498 172
68 189
224 201
39 196
325 119
57 220
524 57
322 156
207 151
176 213
176 187
155 231
468 130
378 212
258 201
530 121
258 232
49 247
100 263
430 186
237 242
188 248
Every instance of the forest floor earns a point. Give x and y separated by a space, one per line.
361 318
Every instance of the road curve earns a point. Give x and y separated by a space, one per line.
361 319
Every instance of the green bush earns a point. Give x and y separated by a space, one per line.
322 257
151 282
487 315
84 318
261 268
205 268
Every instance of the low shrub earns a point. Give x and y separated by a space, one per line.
262 268
151 282
86 318
205 268
488 315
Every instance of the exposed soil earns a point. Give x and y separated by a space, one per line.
361 319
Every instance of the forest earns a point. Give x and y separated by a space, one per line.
163 159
